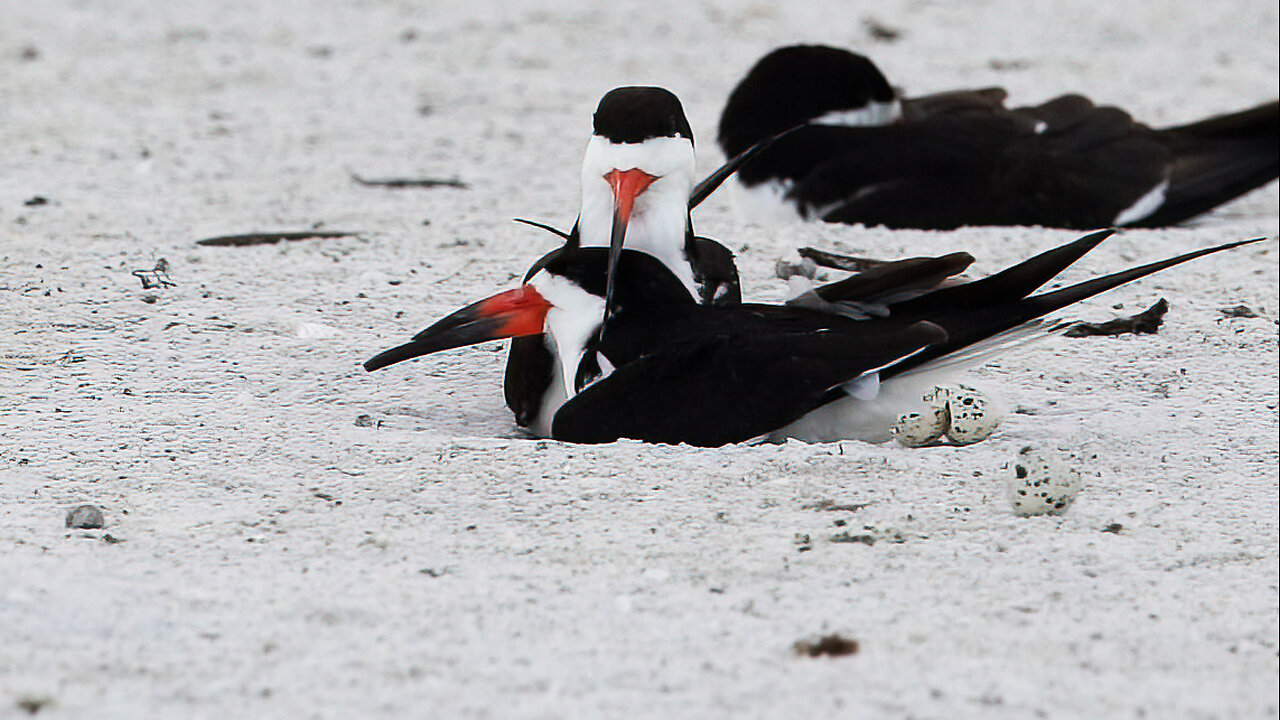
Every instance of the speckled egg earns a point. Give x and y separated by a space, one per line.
1041 483
973 418
916 429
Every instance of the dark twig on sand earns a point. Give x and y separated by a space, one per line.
410 182
833 506
833 645
270 238
1148 321
835 261
1239 311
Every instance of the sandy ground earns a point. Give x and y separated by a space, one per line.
269 557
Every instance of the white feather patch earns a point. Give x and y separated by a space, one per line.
765 203
1145 205
874 113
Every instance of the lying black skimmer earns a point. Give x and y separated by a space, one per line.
666 369
638 188
962 158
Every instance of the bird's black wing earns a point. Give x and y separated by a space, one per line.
530 369
918 288
1008 285
1066 163
952 102
891 280
731 386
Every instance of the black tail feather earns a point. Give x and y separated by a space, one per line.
968 325
1008 285
1257 121
1217 160
1058 299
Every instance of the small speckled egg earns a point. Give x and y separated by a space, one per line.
1040 483
916 429
973 419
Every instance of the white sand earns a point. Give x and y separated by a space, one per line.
277 561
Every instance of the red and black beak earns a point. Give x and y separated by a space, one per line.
627 186
522 311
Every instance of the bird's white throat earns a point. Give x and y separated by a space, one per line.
572 320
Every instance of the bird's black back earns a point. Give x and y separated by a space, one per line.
962 158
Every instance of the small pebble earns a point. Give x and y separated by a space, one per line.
1041 483
806 268
85 517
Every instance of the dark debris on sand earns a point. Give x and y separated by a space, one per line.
833 645
1146 322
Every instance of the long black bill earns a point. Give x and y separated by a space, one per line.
522 311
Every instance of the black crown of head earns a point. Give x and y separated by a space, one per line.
636 114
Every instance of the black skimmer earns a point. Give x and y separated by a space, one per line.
962 158
666 369
638 188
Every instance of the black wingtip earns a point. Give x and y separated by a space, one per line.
1048 302
703 190
543 226
1008 285
971 324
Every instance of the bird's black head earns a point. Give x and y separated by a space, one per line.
641 280
635 114
795 84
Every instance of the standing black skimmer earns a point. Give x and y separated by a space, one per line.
962 158
666 369
638 188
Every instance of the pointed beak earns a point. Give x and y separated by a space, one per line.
627 186
522 311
